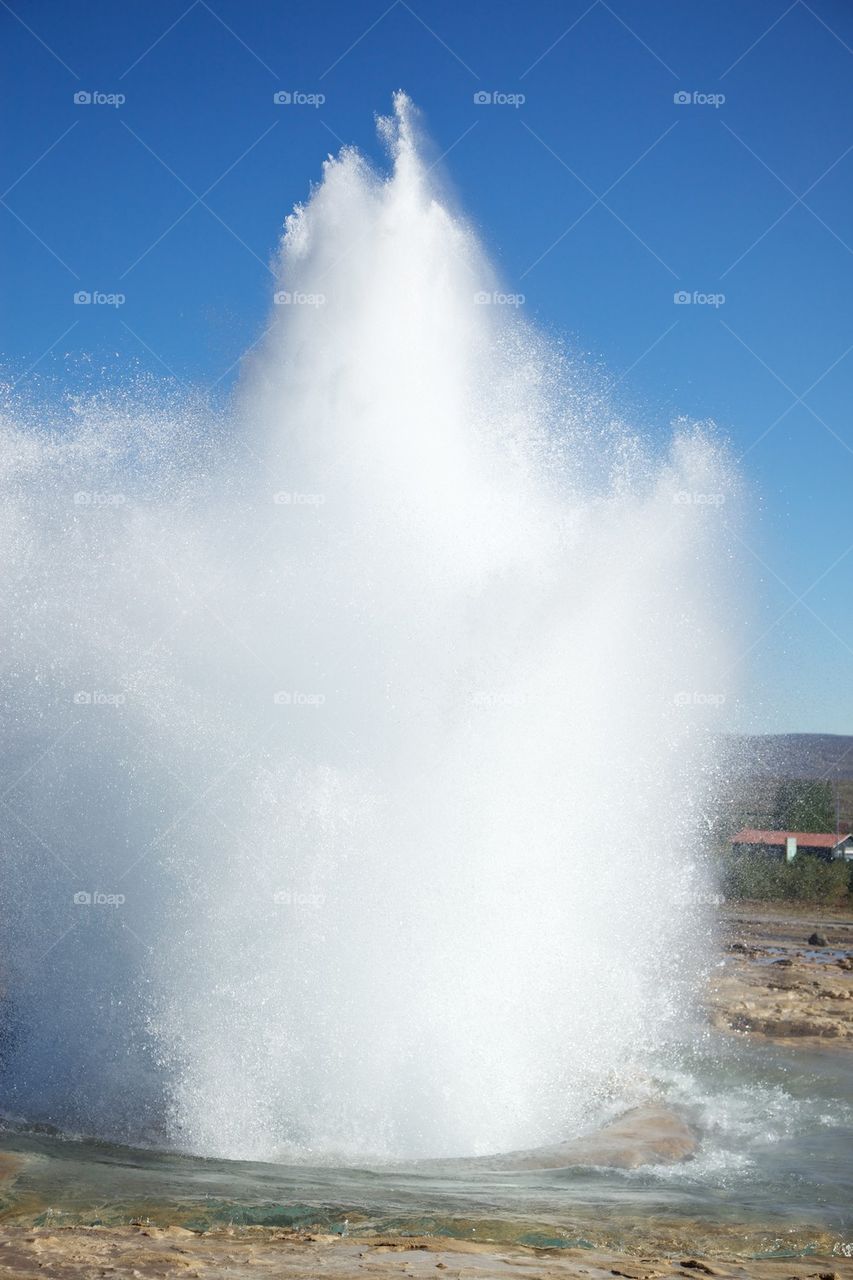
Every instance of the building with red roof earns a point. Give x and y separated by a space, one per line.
781 844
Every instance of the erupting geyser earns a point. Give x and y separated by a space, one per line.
358 740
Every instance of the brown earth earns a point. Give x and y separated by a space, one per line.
80 1253
775 985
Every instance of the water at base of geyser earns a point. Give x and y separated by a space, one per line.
359 741
771 1177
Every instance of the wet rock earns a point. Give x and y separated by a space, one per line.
649 1134
817 940
630 1272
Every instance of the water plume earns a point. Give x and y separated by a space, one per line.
382 702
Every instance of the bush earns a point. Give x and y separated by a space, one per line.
806 879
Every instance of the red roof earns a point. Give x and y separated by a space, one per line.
804 839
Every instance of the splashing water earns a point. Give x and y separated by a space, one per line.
358 737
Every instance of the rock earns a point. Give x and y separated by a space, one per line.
817 940
649 1134
635 1273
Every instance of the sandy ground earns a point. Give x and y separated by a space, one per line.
774 985
74 1252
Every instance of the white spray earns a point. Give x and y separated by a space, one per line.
411 666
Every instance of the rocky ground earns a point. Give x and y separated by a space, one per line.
787 976
85 1252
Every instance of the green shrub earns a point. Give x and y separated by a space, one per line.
806 879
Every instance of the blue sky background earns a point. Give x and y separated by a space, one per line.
750 198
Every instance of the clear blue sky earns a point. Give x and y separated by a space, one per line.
750 198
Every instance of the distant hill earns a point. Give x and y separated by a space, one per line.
795 755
